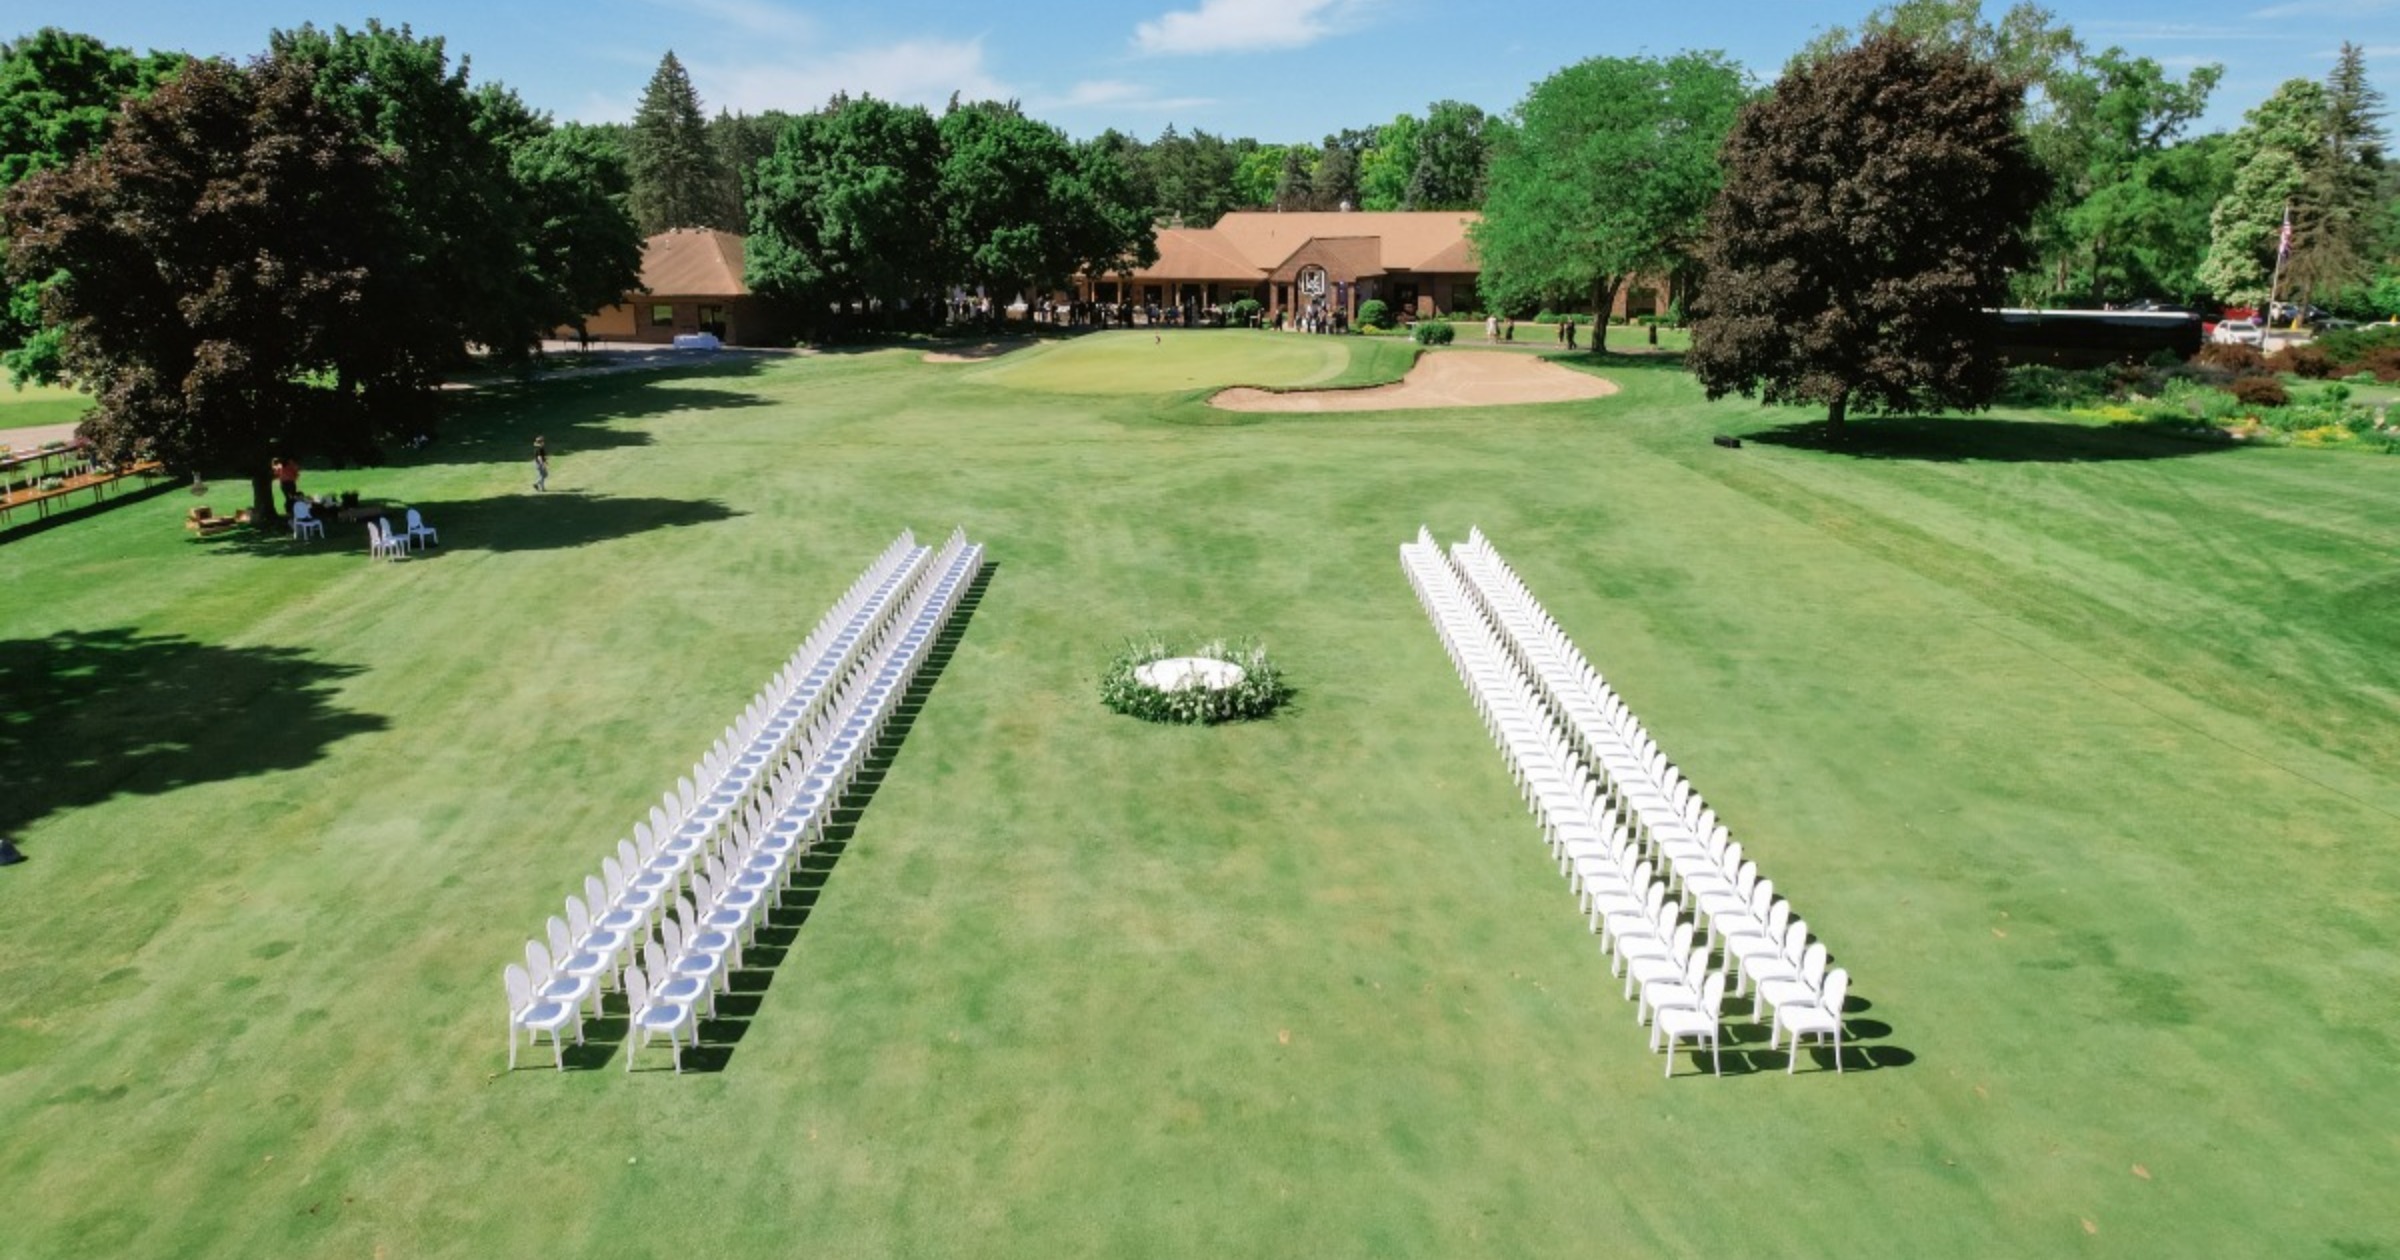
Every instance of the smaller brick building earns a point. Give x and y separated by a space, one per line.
691 283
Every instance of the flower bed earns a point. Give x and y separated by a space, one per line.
1214 682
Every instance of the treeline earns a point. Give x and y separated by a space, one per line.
690 169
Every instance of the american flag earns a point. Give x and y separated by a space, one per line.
2283 247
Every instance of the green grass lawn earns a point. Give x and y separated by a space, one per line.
2080 747
24 406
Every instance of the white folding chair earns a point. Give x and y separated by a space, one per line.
536 1016
1698 1023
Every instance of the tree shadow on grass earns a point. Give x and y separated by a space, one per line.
497 423
1990 439
88 715
24 523
514 522
779 932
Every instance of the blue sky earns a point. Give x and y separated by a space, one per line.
1279 70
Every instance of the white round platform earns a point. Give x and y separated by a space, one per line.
1182 673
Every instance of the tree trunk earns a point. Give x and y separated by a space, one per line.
1604 296
1835 416
262 500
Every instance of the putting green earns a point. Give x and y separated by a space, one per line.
1179 360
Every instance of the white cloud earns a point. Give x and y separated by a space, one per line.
1117 94
2110 32
1219 26
2323 8
754 17
601 107
917 71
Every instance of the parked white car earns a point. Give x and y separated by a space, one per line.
2238 332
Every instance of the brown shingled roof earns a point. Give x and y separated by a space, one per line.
1458 257
693 262
1256 244
1409 238
1353 256
1198 254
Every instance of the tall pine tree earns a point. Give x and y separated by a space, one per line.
679 178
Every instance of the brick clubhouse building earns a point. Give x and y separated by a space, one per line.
1419 263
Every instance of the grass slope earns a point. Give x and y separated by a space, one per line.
2077 746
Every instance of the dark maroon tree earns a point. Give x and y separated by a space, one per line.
1874 204
215 275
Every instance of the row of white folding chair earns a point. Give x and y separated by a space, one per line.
640 878
704 935
735 782
757 738
1647 787
1711 873
812 648
585 951
1658 951
1664 822
1672 976
1671 973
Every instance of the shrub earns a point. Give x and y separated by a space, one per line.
1243 311
2260 391
2238 359
2308 361
2040 385
2383 364
2352 345
1435 332
1375 313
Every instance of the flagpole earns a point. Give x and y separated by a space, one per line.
2283 251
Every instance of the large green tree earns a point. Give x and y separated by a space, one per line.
59 93
459 231
741 142
2133 199
1295 184
1604 175
2026 44
1874 205
1386 164
845 212
2344 183
1333 180
1452 150
1022 208
1255 176
1191 178
679 178
583 252
1108 226
2269 156
215 275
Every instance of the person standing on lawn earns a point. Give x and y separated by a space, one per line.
287 475
541 465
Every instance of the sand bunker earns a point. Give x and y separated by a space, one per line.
1455 378
979 352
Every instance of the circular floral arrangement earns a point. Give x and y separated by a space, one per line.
1214 682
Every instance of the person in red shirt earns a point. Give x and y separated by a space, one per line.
287 473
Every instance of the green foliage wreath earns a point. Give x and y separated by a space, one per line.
1261 690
